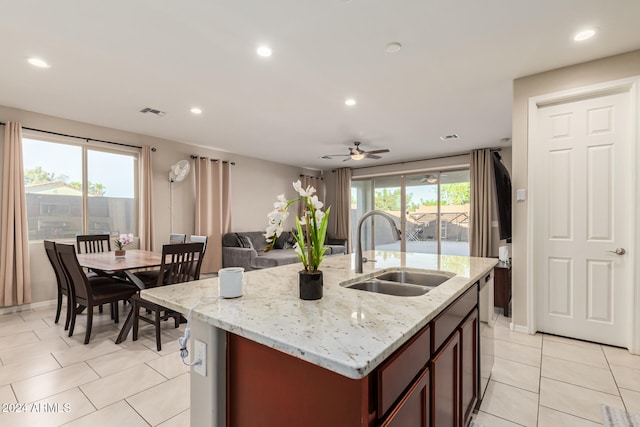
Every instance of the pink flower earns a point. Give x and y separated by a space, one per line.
123 240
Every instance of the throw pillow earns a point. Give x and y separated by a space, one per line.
282 240
244 241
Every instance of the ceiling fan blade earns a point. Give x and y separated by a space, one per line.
331 156
348 158
385 150
372 156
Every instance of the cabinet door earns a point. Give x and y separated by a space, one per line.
469 364
445 370
413 409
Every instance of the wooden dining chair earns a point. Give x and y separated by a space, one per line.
92 243
90 293
63 284
180 263
199 239
177 238
150 277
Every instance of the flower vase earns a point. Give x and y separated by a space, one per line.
310 285
120 253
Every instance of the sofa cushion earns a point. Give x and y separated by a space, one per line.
230 240
275 258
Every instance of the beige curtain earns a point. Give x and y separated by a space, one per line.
15 279
481 202
342 209
146 199
213 208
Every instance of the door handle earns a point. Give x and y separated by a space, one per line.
618 251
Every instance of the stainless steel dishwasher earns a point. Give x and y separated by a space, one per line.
488 318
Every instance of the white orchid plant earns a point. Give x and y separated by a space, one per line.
123 240
311 229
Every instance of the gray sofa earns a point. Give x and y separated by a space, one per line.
246 250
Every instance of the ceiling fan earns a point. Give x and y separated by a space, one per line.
356 153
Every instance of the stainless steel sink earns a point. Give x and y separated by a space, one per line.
402 283
416 278
390 288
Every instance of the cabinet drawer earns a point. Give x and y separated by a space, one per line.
398 371
447 321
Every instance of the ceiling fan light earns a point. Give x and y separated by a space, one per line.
358 156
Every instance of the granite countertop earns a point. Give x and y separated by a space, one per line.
348 331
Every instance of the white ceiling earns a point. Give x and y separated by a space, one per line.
454 73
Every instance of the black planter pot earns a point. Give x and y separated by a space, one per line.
310 285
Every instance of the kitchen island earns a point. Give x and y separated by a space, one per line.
284 361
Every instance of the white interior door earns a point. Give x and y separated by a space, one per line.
583 213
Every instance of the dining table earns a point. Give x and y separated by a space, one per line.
134 259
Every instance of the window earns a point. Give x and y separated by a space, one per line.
78 189
432 210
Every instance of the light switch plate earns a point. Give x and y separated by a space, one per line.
521 195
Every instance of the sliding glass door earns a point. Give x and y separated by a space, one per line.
431 210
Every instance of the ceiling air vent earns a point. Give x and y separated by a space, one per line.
450 137
153 111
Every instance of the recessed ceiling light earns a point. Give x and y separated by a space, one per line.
37 62
264 51
393 47
450 137
584 35
350 102
196 110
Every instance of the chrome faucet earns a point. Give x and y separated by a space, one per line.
394 230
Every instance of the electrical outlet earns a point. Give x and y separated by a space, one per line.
200 353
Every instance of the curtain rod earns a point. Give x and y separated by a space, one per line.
81 137
311 176
193 156
421 160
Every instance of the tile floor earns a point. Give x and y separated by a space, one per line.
99 384
538 380
549 381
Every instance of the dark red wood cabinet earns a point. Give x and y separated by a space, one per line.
414 408
502 287
430 381
469 386
445 368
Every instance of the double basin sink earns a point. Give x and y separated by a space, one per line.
402 283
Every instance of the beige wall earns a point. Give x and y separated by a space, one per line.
598 71
444 163
255 185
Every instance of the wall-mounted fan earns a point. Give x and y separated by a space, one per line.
179 171
356 153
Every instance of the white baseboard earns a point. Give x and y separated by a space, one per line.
27 307
518 328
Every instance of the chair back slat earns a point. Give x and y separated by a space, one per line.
180 263
92 243
77 279
61 278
